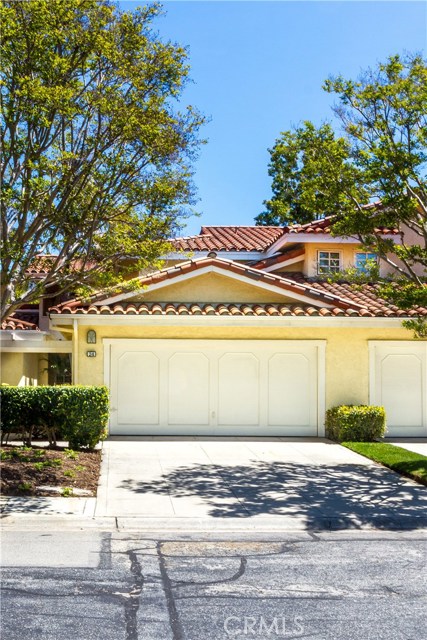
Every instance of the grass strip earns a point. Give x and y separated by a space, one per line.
408 463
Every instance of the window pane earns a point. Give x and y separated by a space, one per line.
362 257
328 262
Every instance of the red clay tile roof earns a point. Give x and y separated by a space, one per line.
183 268
209 309
323 225
365 295
346 299
230 239
41 265
374 308
218 238
13 323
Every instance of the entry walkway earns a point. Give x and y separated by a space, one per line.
310 482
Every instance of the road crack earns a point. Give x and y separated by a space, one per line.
132 597
174 621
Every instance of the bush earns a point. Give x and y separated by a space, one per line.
85 412
357 423
78 414
17 412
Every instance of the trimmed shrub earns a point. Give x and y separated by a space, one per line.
17 412
357 423
78 413
49 418
84 412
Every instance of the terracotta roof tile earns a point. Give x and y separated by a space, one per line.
218 238
244 309
41 265
365 295
237 238
251 273
13 323
344 298
323 225
220 309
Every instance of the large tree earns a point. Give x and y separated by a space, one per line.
377 155
96 153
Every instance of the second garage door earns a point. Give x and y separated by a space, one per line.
214 387
399 383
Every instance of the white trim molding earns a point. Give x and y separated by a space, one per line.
24 346
225 321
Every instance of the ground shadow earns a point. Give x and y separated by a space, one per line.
33 505
324 495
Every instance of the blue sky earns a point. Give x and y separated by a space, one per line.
258 69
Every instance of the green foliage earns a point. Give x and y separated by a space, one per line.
69 453
360 423
25 486
372 176
85 412
381 155
66 492
78 414
39 465
303 163
411 464
69 474
17 415
96 152
355 276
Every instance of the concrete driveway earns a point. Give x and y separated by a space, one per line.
252 482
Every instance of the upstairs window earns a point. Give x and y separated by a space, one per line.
328 262
363 257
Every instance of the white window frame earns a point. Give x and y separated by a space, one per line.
328 251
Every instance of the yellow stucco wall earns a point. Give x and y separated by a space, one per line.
348 255
347 358
211 287
347 252
21 369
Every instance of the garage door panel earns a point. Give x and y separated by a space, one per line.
138 376
399 384
289 390
188 389
238 389
401 390
213 387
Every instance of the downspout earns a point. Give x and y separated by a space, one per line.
75 351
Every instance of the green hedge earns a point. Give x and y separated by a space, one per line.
357 423
78 414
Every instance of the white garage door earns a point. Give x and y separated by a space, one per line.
214 387
399 383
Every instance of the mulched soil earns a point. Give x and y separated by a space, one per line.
24 469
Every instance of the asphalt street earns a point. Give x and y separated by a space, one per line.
98 585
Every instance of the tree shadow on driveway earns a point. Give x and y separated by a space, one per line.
323 495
